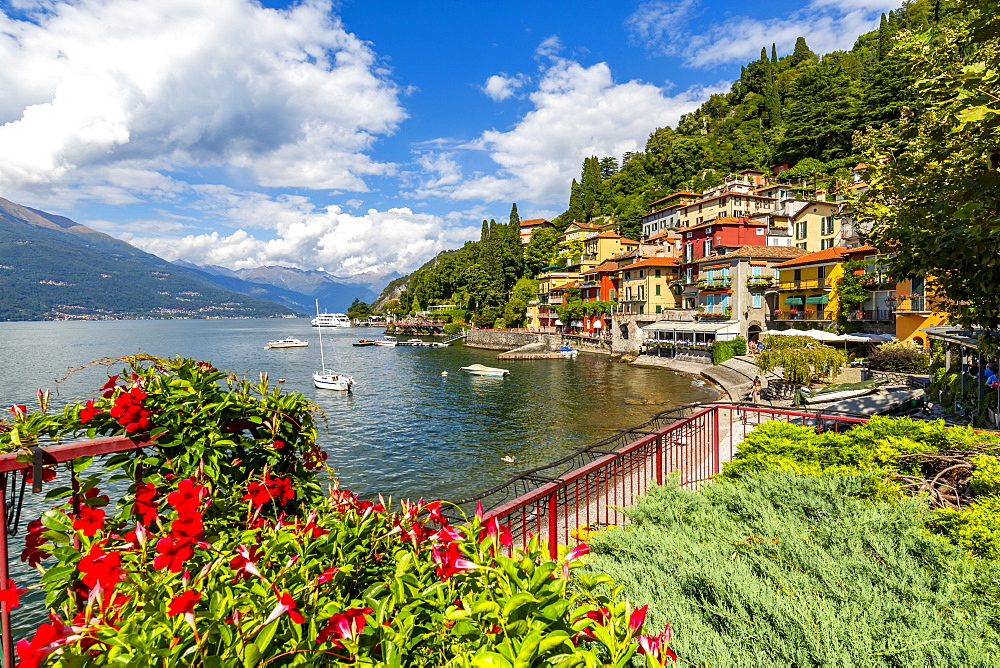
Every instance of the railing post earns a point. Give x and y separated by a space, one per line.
659 459
716 455
553 524
8 638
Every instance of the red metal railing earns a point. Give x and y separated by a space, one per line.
693 447
43 457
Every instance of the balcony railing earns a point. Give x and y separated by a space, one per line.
913 304
802 315
807 284
870 314
760 281
715 283
715 311
556 300
590 284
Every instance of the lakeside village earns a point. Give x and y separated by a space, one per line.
756 257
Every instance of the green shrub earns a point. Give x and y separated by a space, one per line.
986 476
726 350
976 529
790 570
455 327
899 356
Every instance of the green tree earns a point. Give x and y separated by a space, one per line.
540 251
934 196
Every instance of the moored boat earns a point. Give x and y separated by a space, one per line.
364 342
386 341
326 379
330 320
481 370
288 342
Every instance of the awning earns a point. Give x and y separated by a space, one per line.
818 299
576 323
793 301
558 322
597 324
722 329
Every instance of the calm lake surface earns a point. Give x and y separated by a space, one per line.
405 430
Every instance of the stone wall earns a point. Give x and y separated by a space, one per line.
494 339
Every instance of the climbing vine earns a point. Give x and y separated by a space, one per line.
851 291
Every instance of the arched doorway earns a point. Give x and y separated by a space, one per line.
753 333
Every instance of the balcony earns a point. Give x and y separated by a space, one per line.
590 284
802 315
870 315
760 282
912 305
715 311
714 283
808 284
557 300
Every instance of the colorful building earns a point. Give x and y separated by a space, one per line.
528 227
805 290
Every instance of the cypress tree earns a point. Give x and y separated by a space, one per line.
801 53
774 54
515 220
884 38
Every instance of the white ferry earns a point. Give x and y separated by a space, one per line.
331 320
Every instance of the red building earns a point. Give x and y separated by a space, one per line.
600 284
700 241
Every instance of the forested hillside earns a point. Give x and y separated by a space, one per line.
798 109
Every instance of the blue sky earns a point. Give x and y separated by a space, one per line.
355 136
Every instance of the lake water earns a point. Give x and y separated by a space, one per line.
405 430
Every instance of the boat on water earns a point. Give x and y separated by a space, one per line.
481 370
288 342
330 320
326 379
365 342
386 341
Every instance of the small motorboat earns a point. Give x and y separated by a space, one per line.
386 341
289 342
480 370
365 342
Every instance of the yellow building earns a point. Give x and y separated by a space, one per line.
551 285
644 286
809 224
805 288
915 310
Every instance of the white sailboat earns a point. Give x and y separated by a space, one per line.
326 379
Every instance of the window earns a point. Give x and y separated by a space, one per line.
801 245
688 252
756 299
689 275
826 225
611 293
628 275
825 243
707 247
659 309
642 292
657 273
798 275
800 230
657 289
755 270
640 273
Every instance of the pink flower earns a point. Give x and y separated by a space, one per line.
285 604
347 625
637 619
579 551
327 575
656 646
244 563
446 535
450 561
492 527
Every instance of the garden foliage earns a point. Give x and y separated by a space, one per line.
726 350
782 569
899 356
227 550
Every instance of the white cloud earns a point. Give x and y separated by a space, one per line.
287 95
500 86
291 232
664 27
578 112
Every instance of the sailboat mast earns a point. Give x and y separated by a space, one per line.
319 330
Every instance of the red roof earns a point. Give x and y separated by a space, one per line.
604 267
653 262
761 252
533 222
835 254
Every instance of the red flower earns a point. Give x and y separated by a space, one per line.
110 386
656 646
88 411
184 604
48 473
600 618
492 527
173 553
277 445
19 410
129 411
434 512
188 495
144 506
90 521
47 638
11 595
100 567
450 561
188 525
347 624
285 604
32 553
637 619
244 563
279 489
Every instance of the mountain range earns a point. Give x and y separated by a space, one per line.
53 268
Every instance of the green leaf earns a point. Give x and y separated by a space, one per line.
251 654
57 521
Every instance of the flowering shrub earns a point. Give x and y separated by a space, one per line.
248 562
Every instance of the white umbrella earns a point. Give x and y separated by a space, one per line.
598 324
